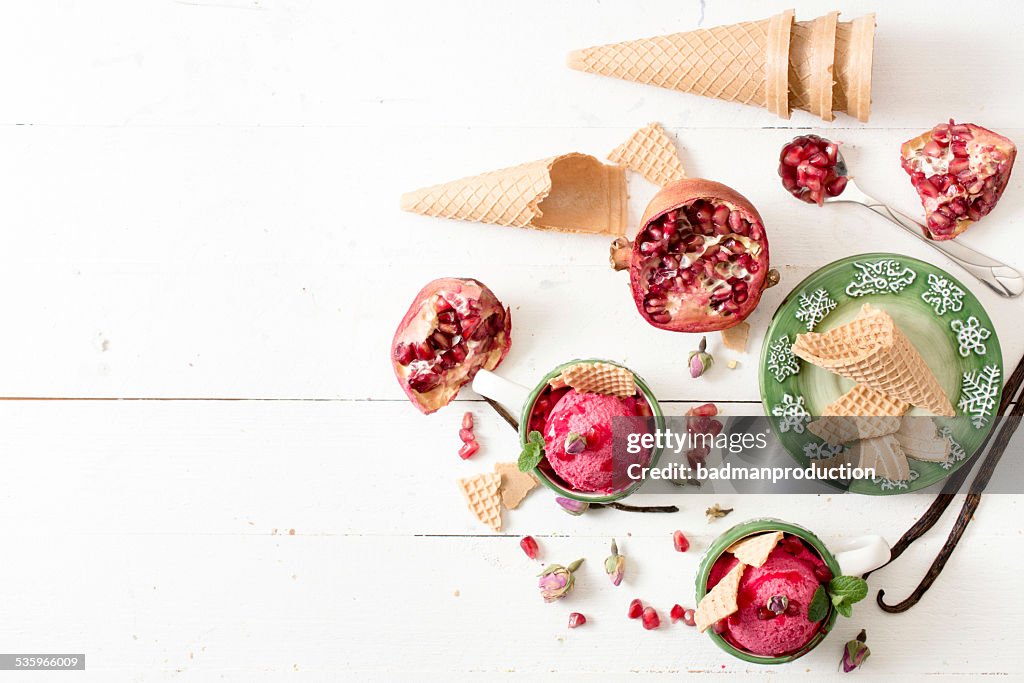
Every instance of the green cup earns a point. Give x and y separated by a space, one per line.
856 557
519 400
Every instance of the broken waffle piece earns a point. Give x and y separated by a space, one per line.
515 485
720 601
920 440
597 378
864 401
483 498
754 550
884 455
840 429
568 193
651 153
843 458
735 338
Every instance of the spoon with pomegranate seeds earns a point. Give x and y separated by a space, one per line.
813 170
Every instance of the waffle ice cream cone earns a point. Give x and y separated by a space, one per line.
483 498
597 378
720 601
919 440
745 62
840 430
863 401
855 41
871 350
650 152
754 551
885 456
811 65
821 66
568 193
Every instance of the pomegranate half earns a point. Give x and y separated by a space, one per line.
700 260
454 327
960 171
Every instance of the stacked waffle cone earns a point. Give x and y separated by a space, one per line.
820 66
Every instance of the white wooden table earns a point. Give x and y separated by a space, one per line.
200 213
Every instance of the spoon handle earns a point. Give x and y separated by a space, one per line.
999 277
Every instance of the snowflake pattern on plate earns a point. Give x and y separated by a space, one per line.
781 361
978 394
942 295
956 451
886 276
971 336
822 451
793 413
895 484
813 308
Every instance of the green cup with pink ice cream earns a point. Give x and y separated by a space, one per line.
771 624
584 454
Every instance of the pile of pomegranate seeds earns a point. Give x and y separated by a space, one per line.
698 266
680 541
807 166
960 171
469 443
576 619
529 546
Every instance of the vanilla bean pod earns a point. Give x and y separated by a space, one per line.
636 508
953 484
966 514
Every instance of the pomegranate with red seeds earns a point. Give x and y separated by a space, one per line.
960 171
807 166
700 260
454 327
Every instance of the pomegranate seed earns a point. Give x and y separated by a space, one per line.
576 619
636 608
823 573
424 381
529 546
689 617
705 410
791 609
720 626
697 456
466 435
404 353
764 614
441 304
836 187
468 449
680 541
467 420
676 613
650 618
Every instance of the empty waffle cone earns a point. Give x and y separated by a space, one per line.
871 350
811 65
745 62
569 193
885 456
650 152
838 430
483 498
597 378
855 42
864 401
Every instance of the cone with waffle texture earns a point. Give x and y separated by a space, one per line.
650 152
597 378
864 401
885 456
720 601
568 193
483 497
820 66
871 350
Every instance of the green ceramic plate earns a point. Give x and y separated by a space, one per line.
949 327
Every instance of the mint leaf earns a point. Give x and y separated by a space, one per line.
850 588
818 608
845 608
532 452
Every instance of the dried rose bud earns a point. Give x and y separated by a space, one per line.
700 360
575 443
573 507
716 511
777 604
615 565
556 581
855 652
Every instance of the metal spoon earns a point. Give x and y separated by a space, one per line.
999 277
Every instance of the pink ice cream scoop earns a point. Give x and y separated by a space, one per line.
785 583
578 440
